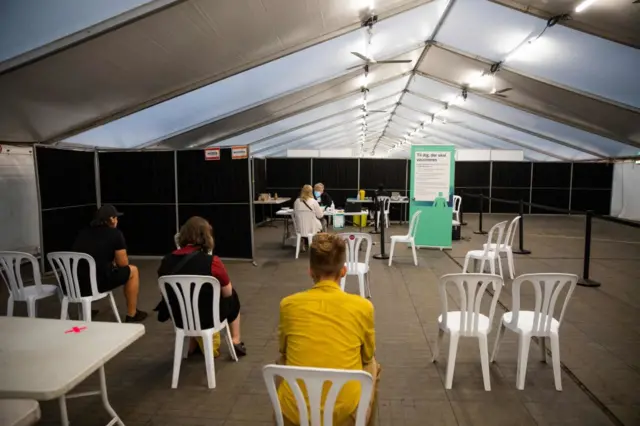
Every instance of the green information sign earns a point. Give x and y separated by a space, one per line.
432 184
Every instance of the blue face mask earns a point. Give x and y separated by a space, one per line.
317 193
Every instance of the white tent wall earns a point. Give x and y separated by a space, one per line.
625 202
19 221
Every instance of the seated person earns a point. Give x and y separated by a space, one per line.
105 243
322 197
308 223
324 327
193 258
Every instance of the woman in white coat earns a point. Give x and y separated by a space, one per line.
308 212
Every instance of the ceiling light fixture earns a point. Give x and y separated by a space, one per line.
584 5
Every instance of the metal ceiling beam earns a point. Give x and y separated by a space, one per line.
436 29
511 126
324 143
502 138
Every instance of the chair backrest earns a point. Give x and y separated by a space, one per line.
413 225
384 202
314 380
65 267
471 289
457 202
495 237
186 289
354 243
547 288
11 272
510 235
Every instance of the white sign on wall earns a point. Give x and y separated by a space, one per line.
432 174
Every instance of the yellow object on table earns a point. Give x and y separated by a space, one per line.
360 221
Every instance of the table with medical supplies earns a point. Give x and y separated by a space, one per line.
403 201
44 359
287 214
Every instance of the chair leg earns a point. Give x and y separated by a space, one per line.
177 358
542 343
555 358
367 285
523 356
393 246
415 256
207 342
500 266
64 308
492 266
466 264
361 285
232 350
512 267
10 306
114 306
436 349
185 347
343 283
64 416
484 360
451 362
496 345
298 238
31 307
86 310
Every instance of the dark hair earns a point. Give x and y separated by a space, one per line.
197 232
327 256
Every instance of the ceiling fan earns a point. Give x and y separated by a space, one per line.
370 61
501 93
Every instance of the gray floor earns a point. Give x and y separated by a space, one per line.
600 342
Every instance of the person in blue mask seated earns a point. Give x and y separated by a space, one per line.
324 200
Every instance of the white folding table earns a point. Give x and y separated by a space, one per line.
402 201
271 202
288 214
44 359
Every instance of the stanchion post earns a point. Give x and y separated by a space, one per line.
585 281
480 231
382 255
521 249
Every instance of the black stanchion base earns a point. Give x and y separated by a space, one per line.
480 232
588 283
464 224
381 256
522 252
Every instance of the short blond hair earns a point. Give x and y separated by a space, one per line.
327 256
318 187
307 192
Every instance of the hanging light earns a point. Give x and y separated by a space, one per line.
584 5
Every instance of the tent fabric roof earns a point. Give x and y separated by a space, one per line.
277 75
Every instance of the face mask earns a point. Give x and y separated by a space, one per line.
317 193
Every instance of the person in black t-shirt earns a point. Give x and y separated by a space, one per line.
105 243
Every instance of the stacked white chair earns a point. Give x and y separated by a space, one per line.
298 224
187 291
384 204
457 202
354 242
468 321
490 251
507 246
314 380
540 322
65 267
410 238
11 272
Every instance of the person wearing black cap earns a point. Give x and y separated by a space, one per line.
105 243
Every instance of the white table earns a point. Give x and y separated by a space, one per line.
44 359
288 214
271 202
401 200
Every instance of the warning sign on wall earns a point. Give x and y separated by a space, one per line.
212 154
239 152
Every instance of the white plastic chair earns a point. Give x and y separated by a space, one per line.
314 380
65 267
540 322
409 238
507 246
384 204
468 321
354 266
490 251
457 202
10 270
190 315
300 232
19 412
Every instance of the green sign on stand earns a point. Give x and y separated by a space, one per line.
432 184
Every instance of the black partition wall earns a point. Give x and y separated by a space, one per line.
591 185
473 177
259 169
67 191
285 176
339 177
510 181
393 174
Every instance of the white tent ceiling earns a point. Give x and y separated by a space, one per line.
275 75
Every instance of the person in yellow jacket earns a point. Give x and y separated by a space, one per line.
324 327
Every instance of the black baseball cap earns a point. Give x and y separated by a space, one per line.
107 211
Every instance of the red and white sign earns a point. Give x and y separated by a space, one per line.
239 152
212 154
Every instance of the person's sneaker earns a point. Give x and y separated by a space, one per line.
241 350
138 317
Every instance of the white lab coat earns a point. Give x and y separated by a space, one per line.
308 218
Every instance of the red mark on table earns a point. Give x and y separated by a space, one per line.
75 330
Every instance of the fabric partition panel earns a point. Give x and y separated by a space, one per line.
432 188
259 185
510 181
551 186
591 187
339 177
141 185
219 191
473 177
67 192
393 174
286 176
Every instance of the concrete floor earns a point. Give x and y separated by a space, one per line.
600 341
